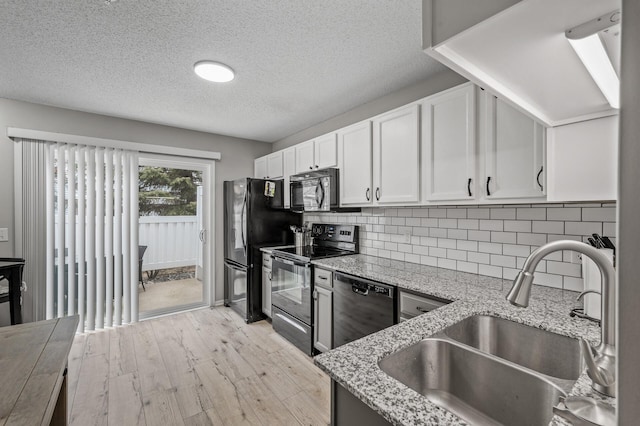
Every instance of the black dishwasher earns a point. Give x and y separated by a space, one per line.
360 307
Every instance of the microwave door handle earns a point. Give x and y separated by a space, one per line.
322 196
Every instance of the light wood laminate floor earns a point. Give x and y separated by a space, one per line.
205 367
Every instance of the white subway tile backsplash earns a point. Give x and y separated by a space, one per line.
478 213
489 270
503 213
603 214
503 237
490 248
467 245
583 228
467 267
487 240
458 234
547 227
531 213
517 225
479 235
446 263
500 260
479 257
468 224
491 225
457 254
564 213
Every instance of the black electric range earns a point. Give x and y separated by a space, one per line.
292 280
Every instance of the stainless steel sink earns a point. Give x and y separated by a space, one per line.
543 351
481 389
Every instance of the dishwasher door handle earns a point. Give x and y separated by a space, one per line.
359 291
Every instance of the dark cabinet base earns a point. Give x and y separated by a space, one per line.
347 410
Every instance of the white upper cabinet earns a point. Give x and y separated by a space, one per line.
316 154
514 156
449 145
289 166
396 156
355 162
304 156
260 167
275 166
583 161
270 166
326 151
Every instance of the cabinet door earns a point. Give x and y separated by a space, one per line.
304 157
260 167
266 291
448 142
326 151
396 156
323 318
289 168
354 153
275 165
514 153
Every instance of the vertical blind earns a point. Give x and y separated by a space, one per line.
91 222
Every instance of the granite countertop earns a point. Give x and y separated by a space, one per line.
355 365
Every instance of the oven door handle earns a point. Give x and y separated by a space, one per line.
291 323
291 262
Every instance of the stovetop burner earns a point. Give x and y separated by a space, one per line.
313 252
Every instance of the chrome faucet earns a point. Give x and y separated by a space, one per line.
601 361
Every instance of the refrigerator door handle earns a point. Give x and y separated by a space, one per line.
243 223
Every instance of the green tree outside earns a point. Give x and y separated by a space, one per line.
167 192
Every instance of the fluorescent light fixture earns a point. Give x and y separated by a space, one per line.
591 52
213 71
589 47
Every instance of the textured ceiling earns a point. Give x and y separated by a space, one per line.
298 62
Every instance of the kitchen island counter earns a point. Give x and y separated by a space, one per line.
355 365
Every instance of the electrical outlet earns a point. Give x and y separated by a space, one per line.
407 236
576 257
4 234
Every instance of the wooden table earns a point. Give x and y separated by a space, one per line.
33 370
11 270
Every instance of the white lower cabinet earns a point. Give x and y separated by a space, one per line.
266 284
323 310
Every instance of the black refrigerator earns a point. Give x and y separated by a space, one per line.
254 217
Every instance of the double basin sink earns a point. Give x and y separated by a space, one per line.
490 371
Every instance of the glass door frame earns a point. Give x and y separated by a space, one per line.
207 167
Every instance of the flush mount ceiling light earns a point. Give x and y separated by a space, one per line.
213 71
597 44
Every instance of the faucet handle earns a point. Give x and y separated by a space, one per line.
581 295
597 374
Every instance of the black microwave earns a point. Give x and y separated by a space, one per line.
315 191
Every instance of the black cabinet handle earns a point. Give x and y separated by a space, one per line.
378 194
368 194
469 187
488 190
310 167
538 178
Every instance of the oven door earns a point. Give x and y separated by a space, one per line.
291 288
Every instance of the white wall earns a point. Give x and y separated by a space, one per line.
237 154
435 84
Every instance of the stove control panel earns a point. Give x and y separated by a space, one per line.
337 233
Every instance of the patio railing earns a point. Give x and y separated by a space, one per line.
172 241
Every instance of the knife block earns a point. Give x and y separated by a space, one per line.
593 281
